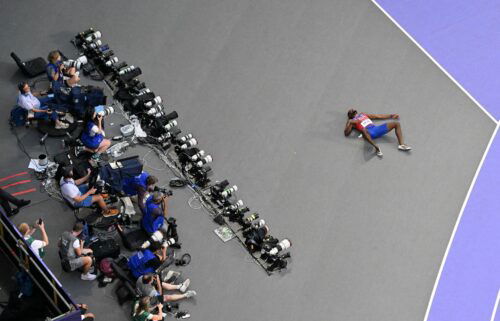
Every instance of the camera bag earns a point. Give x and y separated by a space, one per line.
133 239
105 248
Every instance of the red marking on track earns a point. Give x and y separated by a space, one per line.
16 183
24 192
9 177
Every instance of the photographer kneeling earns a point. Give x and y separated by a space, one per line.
93 134
78 194
73 253
155 213
56 69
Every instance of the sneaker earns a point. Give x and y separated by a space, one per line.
190 294
110 212
404 147
89 277
69 118
379 153
184 285
61 125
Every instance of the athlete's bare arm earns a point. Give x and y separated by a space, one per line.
382 116
348 126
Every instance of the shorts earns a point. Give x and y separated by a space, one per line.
76 263
87 202
377 131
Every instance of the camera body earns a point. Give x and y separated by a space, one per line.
102 110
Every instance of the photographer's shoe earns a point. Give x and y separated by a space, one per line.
404 147
184 285
190 294
110 212
88 277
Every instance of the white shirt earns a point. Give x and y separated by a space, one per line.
28 101
36 245
69 190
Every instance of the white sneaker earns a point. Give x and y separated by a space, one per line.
404 147
184 285
190 294
88 277
61 125
379 153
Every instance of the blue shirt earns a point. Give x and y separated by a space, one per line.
28 101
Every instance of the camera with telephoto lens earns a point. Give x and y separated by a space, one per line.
106 55
247 221
155 101
102 110
255 235
111 61
77 63
273 248
156 111
93 36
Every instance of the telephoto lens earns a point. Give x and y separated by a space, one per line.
154 101
285 244
94 44
185 138
190 143
93 36
126 69
85 33
119 65
111 61
198 155
238 204
143 91
207 159
229 191
171 116
170 125
158 109
247 220
107 54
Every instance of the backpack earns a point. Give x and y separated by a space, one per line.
18 116
106 267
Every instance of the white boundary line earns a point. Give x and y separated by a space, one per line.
429 305
435 62
494 313
477 170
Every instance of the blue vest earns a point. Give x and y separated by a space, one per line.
53 67
130 185
88 140
150 223
137 263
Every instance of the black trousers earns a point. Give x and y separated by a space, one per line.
5 199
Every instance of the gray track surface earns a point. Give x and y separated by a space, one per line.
265 85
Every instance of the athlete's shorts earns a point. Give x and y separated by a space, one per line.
377 131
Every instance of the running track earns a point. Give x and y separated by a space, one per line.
463 37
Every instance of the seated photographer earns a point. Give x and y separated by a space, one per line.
93 134
78 194
73 253
56 69
151 285
37 246
155 213
139 185
148 260
38 106
143 308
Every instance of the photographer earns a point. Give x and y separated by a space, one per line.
37 246
93 134
142 310
39 107
139 185
155 213
73 253
78 194
151 285
147 260
56 69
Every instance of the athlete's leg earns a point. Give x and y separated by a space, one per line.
369 139
399 134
